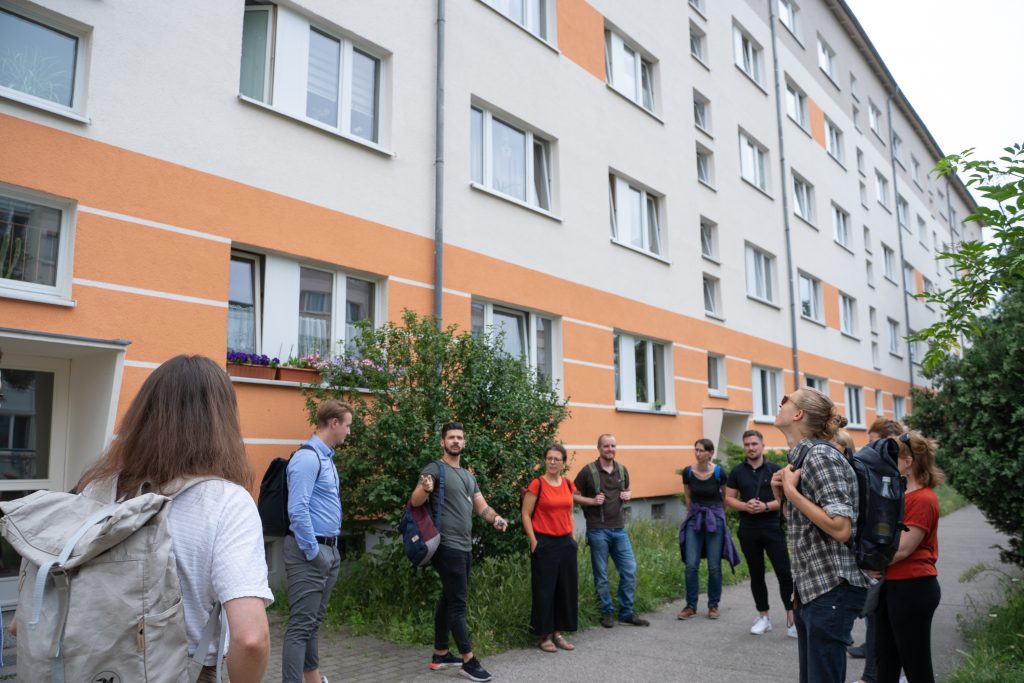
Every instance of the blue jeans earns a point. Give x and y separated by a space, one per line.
711 545
823 633
614 542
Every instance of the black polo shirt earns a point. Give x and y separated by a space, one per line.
755 483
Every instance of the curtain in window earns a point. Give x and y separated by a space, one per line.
324 74
509 159
37 60
365 77
255 41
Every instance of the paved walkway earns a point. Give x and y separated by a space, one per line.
693 651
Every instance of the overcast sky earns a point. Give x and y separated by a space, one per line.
959 64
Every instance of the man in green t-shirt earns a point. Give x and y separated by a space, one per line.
454 556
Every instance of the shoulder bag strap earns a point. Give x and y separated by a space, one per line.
440 495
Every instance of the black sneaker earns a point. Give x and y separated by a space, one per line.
634 620
474 672
445 661
858 652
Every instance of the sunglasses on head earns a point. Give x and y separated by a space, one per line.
905 438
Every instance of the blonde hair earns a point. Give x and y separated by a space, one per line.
921 449
820 413
844 439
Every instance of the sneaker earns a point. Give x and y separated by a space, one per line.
791 631
607 620
857 651
474 672
761 626
634 620
445 661
712 612
687 613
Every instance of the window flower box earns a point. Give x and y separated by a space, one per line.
254 366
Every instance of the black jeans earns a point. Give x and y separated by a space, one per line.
903 629
553 578
450 616
755 543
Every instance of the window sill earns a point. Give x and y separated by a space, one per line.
37 297
761 190
714 316
699 11
801 127
830 78
717 394
644 410
712 259
849 336
281 383
862 173
512 200
522 28
895 355
750 78
636 104
705 131
891 281
857 427
707 185
807 222
819 323
764 420
793 33
837 160
701 62
843 246
318 126
770 304
886 207
44 105
640 251
879 136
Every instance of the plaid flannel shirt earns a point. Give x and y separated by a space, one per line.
820 563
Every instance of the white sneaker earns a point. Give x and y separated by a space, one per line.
791 632
761 626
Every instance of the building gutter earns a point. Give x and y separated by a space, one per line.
439 169
899 233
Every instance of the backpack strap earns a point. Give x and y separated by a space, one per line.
718 475
687 474
440 496
213 626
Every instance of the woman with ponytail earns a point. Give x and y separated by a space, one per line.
821 490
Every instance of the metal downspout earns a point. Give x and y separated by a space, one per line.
439 171
899 233
784 191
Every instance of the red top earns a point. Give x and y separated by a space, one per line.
553 513
922 511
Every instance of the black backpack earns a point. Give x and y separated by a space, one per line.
881 490
273 500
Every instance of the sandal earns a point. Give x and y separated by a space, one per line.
546 645
564 644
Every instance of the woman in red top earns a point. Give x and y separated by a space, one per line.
547 520
911 591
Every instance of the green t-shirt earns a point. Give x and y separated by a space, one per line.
457 512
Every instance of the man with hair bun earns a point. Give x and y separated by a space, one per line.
821 488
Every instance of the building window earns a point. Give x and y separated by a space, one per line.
928 286
873 319
894 336
841 226
908 278
767 388
867 239
698 44
708 238
760 274
912 344
42 62
888 263
531 14
897 148
855 114
855 405
810 297
522 334
915 170
869 273
879 403
705 165
803 198
748 54
902 212
243 302
36 238
697 5
712 296
922 232
875 119
819 383
701 112
863 190
796 105
847 315
337 84
875 362
860 161
834 140
716 375
634 216
753 162
899 409
881 189
628 71
853 87
642 372
509 159
826 59
788 15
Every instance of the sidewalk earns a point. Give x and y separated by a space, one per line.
693 651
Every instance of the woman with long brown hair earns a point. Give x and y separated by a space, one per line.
183 424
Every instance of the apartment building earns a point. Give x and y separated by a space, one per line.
676 231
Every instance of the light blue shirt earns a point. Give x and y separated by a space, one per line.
314 502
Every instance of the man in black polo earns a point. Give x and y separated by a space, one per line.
749 490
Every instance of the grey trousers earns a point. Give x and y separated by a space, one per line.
309 589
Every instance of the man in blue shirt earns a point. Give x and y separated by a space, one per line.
311 556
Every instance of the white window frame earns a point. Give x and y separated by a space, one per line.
705 160
881 189
796 105
867 239
618 187
748 55
841 225
79 81
803 198
760 288
256 263
60 291
754 162
814 288
915 170
869 272
698 44
701 112
827 59
899 408
897 148
712 293
915 356
709 239
873 320
888 263
854 397
893 327
863 191
853 87
876 362
537 20
922 231
717 370
875 119
847 315
486 153
617 49
766 385
909 281
626 369
879 403
833 140
788 17
860 162
815 382
530 319
902 212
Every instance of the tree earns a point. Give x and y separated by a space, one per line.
976 413
405 381
985 269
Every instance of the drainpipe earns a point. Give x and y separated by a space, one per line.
899 230
785 198
439 170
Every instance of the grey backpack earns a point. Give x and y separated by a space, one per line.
98 593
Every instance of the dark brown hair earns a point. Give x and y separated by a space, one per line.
449 426
555 447
886 428
706 444
182 423
753 432
330 409
922 450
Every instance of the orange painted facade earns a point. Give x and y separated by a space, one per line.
581 35
817 117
